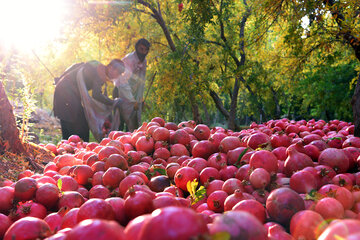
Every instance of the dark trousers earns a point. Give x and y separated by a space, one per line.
79 127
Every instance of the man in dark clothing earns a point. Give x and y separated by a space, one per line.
68 99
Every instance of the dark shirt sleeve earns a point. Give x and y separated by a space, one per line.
93 82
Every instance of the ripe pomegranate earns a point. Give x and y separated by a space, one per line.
228 172
296 161
99 191
253 207
264 159
178 150
234 198
229 143
233 156
203 149
70 219
70 199
65 160
280 140
346 229
258 140
180 136
28 228
334 158
47 195
208 174
282 204
25 188
161 153
202 132
329 208
5 223
167 221
303 182
146 144
159 183
82 174
95 209
231 185
184 175
94 229
307 224
165 201
107 151
239 224
54 221
312 151
180 7
6 199
128 182
352 142
133 228
259 178
243 172
137 203
217 160
198 164
112 177
116 160
117 205
216 200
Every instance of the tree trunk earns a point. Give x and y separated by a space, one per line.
195 109
355 102
233 105
9 133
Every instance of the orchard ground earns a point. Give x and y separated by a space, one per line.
275 180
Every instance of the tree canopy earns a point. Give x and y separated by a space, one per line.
217 61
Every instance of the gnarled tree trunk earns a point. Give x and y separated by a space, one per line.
9 133
355 102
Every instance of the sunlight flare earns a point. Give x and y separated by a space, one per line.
27 24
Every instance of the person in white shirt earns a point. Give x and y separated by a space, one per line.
130 85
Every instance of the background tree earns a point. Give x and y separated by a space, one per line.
321 25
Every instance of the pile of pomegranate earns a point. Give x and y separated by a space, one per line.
279 180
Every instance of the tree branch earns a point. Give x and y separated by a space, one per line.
143 11
160 20
345 32
214 42
242 34
219 104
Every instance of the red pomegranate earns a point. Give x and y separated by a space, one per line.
334 158
282 204
203 149
95 229
296 161
253 207
28 228
264 159
6 199
184 175
258 140
202 132
137 203
95 208
307 224
167 221
239 224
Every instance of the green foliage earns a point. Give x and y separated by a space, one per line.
292 68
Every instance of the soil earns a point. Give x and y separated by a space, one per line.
12 164
44 128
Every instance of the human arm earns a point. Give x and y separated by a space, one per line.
94 82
